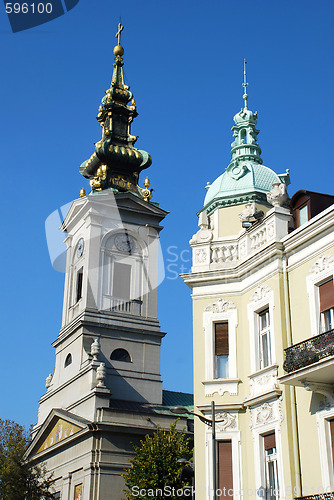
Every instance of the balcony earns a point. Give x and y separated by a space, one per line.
321 496
310 361
115 304
309 351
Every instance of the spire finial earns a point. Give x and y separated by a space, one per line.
118 34
245 85
118 49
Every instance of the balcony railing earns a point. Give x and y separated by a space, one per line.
122 305
321 496
308 352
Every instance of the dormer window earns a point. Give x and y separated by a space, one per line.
302 215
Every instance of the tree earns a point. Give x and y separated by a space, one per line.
155 467
19 480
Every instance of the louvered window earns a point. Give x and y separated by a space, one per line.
326 295
221 350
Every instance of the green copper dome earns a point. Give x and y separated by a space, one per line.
245 179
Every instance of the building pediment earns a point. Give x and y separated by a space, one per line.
59 427
98 204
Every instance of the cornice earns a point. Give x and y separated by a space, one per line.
91 318
275 394
272 252
52 392
219 407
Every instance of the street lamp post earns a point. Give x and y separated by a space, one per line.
211 423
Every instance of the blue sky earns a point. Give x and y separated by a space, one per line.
184 63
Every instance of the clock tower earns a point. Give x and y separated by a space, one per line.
105 391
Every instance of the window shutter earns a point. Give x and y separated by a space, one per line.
269 441
326 294
221 339
225 468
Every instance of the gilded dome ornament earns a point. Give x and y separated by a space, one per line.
116 163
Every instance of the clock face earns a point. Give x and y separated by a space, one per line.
80 247
125 243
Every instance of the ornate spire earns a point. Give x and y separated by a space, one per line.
245 148
245 85
116 163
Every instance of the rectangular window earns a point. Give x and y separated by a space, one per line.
331 427
264 339
225 468
302 215
79 284
221 350
271 470
326 296
121 281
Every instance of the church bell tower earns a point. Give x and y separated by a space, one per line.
107 370
109 343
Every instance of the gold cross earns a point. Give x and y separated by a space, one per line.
118 34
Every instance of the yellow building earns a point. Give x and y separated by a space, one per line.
261 283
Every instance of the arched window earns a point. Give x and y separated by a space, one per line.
243 136
68 360
120 355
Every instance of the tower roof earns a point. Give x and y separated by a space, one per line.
245 179
116 163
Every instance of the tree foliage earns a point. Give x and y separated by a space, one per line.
154 465
19 480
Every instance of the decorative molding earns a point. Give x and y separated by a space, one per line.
278 195
225 420
203 235
267 413
101 374
263 381
95 349
221 386
264 414
238 171
322 263
200 255
250 212
326 404
220 306
271 229
261 293
326 390
48 381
